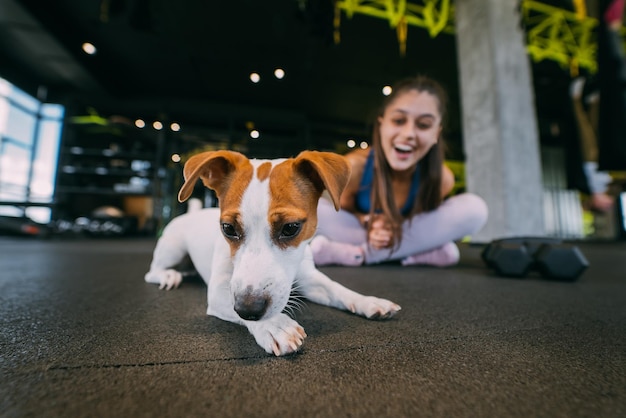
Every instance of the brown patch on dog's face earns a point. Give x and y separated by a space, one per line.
234 186
292 213
232 229
263 171
231 193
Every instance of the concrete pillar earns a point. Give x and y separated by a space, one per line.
500 135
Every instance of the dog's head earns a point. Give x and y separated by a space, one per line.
268 215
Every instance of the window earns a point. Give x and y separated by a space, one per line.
30 134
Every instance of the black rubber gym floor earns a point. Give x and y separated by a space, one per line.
82 335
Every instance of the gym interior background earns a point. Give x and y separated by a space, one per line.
102 102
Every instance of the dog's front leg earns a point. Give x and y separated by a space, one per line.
319 288
278 334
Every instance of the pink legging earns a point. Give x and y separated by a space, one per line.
457 217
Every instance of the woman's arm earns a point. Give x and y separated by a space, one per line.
357 160
447 181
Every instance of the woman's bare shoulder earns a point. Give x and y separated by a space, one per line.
357 158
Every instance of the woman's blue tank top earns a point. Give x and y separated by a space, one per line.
363 197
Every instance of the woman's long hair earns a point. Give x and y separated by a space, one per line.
429 193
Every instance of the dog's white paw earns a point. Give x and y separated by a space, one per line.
279 334
166 279
170 280
374 308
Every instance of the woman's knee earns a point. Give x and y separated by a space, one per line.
475 211
338 225
325 208
326 215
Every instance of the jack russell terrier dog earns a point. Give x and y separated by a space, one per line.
253 251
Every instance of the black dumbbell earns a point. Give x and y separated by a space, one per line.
560 262
508 259
516 257
509 248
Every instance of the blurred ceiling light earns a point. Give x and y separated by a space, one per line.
140 123
279 73
89 48
157 125
387 90
255 77
364 145
351 143
254 134
175 127
176 158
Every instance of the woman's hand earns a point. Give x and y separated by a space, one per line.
380 233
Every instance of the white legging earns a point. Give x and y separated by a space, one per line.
457 217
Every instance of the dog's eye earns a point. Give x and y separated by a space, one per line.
229 231
290 230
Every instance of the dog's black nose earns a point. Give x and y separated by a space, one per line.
250 306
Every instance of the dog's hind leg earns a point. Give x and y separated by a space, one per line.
169 253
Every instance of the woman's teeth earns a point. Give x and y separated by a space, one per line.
403 149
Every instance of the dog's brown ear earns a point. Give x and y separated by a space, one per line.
326 170
212 167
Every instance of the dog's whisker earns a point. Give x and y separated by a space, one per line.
289 312
297 299
296 287
295 304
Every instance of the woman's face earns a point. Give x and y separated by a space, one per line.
409 127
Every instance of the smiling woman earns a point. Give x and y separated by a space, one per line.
397 205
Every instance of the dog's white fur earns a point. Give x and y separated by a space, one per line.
267 220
